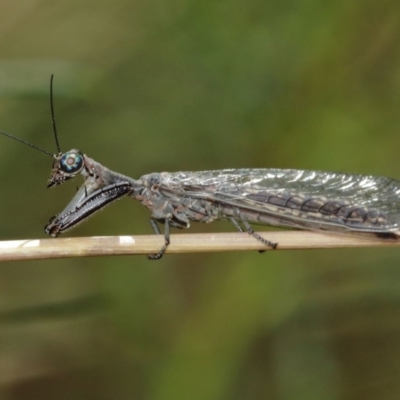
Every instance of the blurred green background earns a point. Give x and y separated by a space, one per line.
193 85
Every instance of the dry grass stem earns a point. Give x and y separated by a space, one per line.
31 249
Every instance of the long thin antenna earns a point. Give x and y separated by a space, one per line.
53 119
25 142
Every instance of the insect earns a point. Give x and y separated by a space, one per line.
325 201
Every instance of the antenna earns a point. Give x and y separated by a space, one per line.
53 119
54 127
25 142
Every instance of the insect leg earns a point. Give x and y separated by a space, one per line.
83 206
250 230
157 231
237 226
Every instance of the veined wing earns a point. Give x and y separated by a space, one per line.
297 198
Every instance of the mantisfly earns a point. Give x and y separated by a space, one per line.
325 201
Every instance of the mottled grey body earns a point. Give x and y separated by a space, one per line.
290 198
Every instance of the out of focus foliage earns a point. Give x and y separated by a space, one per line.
194 85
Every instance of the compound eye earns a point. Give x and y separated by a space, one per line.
71 162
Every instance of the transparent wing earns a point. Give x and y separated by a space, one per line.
303 199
